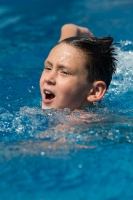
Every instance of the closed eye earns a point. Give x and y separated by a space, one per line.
66 72
47 68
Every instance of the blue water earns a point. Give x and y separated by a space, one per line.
55 154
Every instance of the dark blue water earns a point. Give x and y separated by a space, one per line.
54 154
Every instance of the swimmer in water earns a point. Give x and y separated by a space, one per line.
78 70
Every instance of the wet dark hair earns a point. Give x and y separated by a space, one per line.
100 56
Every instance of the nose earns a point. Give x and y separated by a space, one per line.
50 78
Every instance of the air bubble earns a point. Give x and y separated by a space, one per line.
79 166
42 153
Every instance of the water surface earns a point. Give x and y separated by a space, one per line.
58 154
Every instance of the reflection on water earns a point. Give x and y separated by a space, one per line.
33 131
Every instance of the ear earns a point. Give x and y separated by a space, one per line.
97 92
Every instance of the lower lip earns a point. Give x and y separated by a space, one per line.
47 101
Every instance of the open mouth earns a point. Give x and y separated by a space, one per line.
49 95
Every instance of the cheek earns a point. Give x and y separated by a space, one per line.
63 88
68 87
64 81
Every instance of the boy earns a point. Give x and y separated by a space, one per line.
78 70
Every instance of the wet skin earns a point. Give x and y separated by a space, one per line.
64 83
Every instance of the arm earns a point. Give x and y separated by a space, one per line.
69 30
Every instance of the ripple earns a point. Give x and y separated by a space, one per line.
9 20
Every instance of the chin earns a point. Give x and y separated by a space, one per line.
45 107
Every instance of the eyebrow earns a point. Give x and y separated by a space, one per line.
48 62
59 66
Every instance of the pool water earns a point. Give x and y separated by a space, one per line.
58 154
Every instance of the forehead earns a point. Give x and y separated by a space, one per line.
64 53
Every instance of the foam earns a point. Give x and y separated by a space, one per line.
107 122
121 90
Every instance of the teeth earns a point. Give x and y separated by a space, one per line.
47 92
